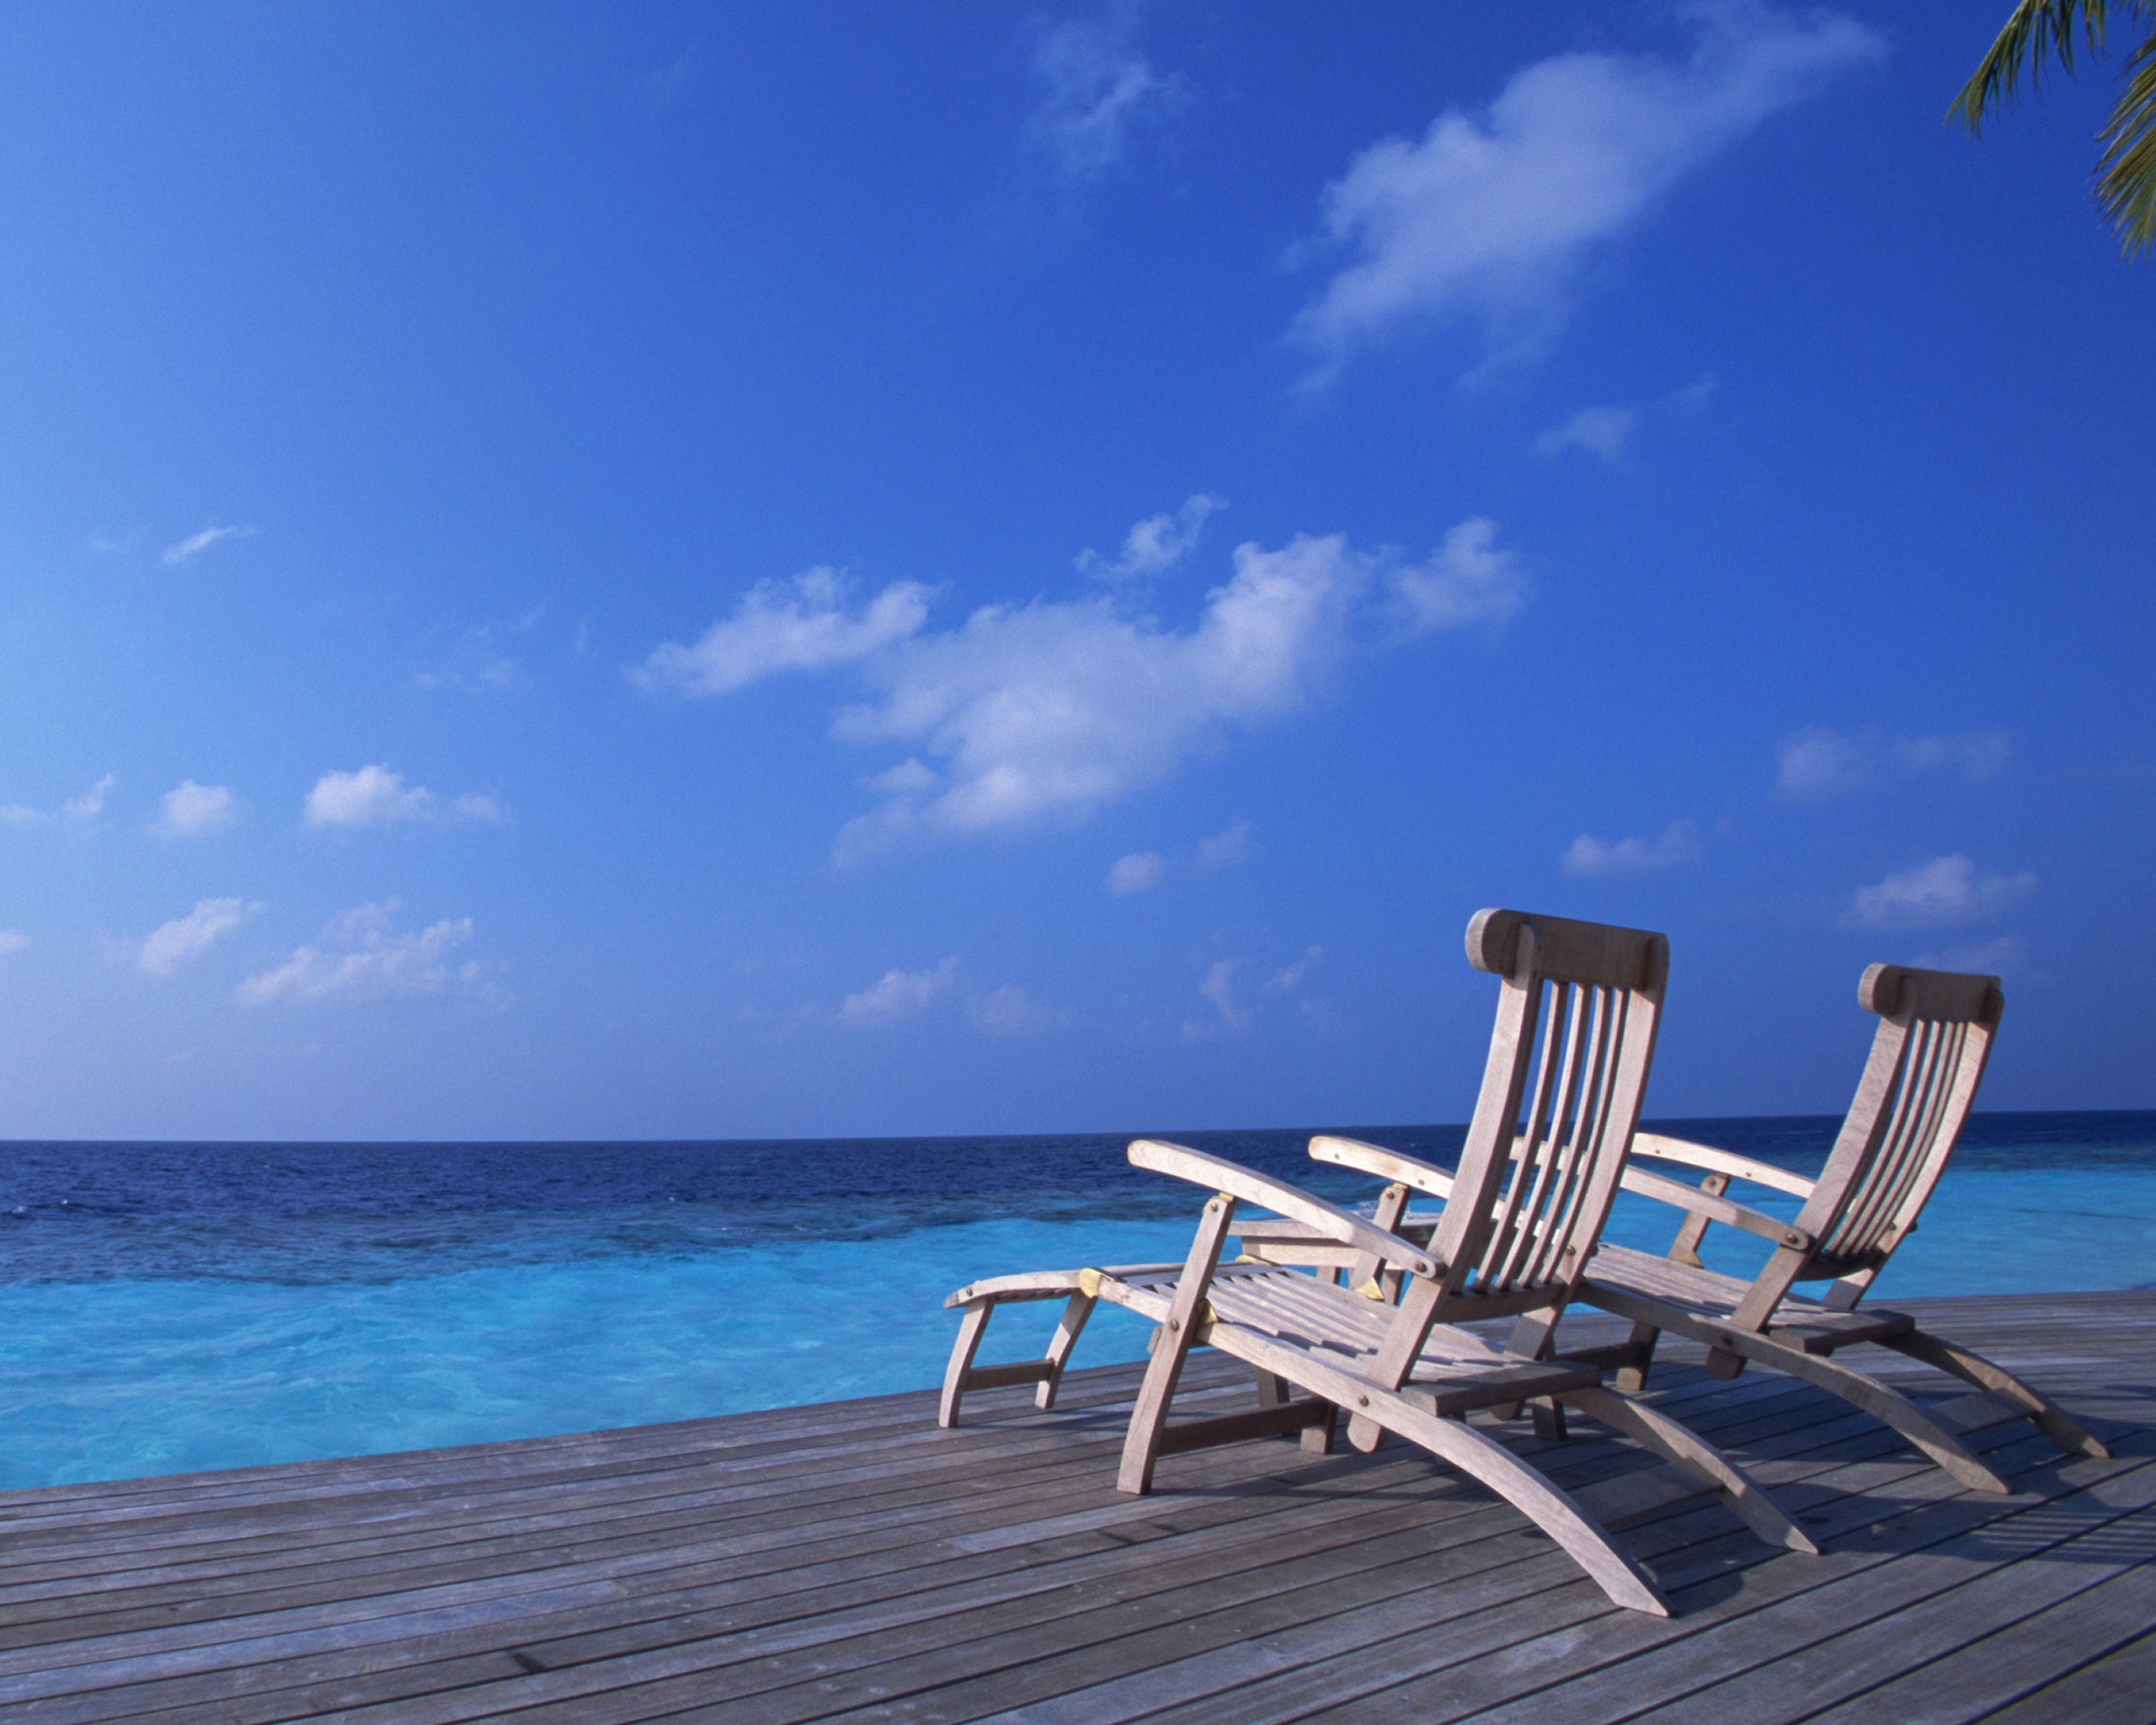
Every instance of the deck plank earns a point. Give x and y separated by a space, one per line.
851 1560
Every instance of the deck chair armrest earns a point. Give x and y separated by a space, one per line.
1709 1160
1248 1186
1386 1164
1717 1209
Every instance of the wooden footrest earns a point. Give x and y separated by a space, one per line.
994 1377
1234 1428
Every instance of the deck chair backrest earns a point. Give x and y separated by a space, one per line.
1561 1098
1928 1057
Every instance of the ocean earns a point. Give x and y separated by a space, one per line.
170 1307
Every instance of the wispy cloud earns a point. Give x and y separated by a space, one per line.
806 624
360 957
1603 431
189 810
1817 762
479 659
1947 889
1606 431
374 796
1468 580
1140 871
1234 1014
1229 848
1009 1010
1290 978
77 814
195 544
1218 987
1156 544
12 941
901 994
186 938
1047 712
2005 956
1591 858
1492 214
1102 97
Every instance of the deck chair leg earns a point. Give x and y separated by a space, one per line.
1639 1361
1141 1443
1529 1491
1315 1439
1972 1368
1068 1329
1896 1410
1461 1446
971 1328
1690 1453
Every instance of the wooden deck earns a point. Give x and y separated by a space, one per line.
851 1561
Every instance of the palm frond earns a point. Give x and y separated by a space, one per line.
2037 31
2125 184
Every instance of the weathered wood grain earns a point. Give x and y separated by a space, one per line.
851 1560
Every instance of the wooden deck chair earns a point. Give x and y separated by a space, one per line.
1928 1057
1573 1040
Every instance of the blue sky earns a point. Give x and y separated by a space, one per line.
709 571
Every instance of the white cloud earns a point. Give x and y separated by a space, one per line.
359 957
1102 95
189 809
479 659
1139 872
1225 849
1048 710
186 938
1009 1010
2006 955
1290 978
1490 215
1591 858
12 941
85 808
1605 431
1234 1014
374 796
802 624
196 543
1217 986
901 994
1466 581
1944 891
1156 544
77 813
1817 762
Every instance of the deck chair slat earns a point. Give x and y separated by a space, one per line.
1588 1145
1582 1144
1558 1021
1546 1141
1551 1155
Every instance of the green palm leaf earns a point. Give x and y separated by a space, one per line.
2042 30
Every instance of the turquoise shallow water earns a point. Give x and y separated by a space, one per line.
162 1333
